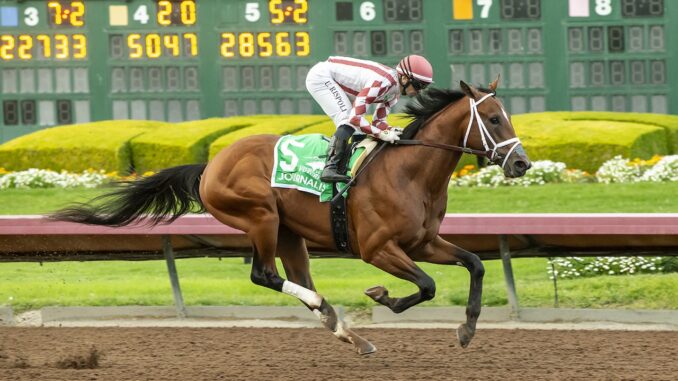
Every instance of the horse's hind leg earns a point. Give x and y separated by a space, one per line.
294 256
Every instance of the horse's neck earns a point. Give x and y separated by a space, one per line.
434 166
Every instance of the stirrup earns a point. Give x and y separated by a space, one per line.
330 175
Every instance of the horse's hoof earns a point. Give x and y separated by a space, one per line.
464 334
365 348
362 346
377 293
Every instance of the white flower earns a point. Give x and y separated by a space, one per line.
42 178
617 170
581 267
666 169
542 172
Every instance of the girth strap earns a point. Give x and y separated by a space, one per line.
339 221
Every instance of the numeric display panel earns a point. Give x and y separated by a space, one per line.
620 63
44 59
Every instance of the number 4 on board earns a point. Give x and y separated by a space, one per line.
141 14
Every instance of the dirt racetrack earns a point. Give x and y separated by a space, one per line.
314 354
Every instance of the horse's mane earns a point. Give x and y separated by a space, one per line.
426 104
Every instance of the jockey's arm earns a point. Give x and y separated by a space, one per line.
364 98
381 113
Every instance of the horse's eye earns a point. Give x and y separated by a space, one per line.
494 120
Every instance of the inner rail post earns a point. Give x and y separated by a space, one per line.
505 253
174 278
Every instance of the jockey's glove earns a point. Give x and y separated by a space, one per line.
390 135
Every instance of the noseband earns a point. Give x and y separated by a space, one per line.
491 154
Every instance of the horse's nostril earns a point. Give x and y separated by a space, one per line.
521 165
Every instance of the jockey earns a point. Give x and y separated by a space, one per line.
344 87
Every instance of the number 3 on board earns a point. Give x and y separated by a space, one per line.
31 16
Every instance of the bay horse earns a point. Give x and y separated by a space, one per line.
395 209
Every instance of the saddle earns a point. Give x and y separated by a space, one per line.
359 152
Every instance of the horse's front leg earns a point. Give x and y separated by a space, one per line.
392 259
440 251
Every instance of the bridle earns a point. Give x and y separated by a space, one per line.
489 152
485 134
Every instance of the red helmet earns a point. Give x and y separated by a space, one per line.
417 68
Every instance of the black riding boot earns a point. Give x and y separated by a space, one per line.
335 166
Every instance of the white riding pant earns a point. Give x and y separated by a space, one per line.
329 95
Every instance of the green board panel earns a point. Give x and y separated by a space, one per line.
64 61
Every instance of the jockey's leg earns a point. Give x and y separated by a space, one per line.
335 103
337 154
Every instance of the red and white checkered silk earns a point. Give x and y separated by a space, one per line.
370 83
365 97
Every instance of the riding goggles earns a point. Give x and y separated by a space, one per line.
418 85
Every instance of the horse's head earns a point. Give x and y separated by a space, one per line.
489 128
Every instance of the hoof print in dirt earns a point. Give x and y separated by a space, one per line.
89 361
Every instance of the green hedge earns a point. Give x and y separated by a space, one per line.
668 122
326 128
273 124
582 140
586 140
182 143
99 145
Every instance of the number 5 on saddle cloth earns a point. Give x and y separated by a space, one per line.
298 162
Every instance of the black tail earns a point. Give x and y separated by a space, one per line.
161 198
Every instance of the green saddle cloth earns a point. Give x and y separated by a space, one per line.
299 160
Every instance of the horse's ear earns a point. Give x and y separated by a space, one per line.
493 84
469 90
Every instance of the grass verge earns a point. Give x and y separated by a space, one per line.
210 281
